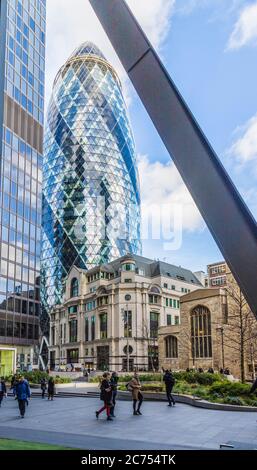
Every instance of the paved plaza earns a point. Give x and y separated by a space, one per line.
72 422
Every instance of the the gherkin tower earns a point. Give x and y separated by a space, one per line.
91 196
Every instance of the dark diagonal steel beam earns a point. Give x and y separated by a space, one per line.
225 213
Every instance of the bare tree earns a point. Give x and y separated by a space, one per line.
241 328
150 341
185 342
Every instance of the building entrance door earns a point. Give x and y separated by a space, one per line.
52 360
103 357
125 365
72 356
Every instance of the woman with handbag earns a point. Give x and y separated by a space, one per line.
106 396
135 387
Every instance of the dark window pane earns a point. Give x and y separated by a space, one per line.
9 328
16 332
23 330
30 331
2 327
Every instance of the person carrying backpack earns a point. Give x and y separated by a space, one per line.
23 393
135 387
169 381
106 396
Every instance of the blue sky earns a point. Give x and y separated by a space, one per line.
219 84
210 49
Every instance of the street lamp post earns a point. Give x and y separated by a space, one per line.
126 325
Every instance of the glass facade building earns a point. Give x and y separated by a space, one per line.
91 196
22 71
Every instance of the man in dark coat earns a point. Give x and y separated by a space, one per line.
43 387
2 390
106 396
50 389
114 385
22 393
169 381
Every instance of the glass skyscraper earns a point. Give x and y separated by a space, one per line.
91 197
22 70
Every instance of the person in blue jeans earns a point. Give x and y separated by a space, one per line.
22 393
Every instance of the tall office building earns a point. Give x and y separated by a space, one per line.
91 199
22 69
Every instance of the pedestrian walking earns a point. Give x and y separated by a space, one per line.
169 381
2 390
27 401
43 384
114 385
50 389
135 387
23 393
106 396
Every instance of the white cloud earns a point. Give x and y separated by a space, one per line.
220 9
244 149
161 184
154 17
245 29
68 25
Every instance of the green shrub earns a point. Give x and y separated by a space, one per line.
202 378
122 388
35 376
234 401
95 379
215 395
8 378
201 392
250 401
142 378
207 379
62 380
153 387
126 378
230 388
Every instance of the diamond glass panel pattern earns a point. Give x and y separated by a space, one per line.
91 197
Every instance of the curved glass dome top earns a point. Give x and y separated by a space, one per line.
87 51
87 48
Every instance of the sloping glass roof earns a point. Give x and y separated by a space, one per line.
87 48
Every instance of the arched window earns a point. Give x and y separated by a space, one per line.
201 332
155 290
102 291
74 287
171 347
